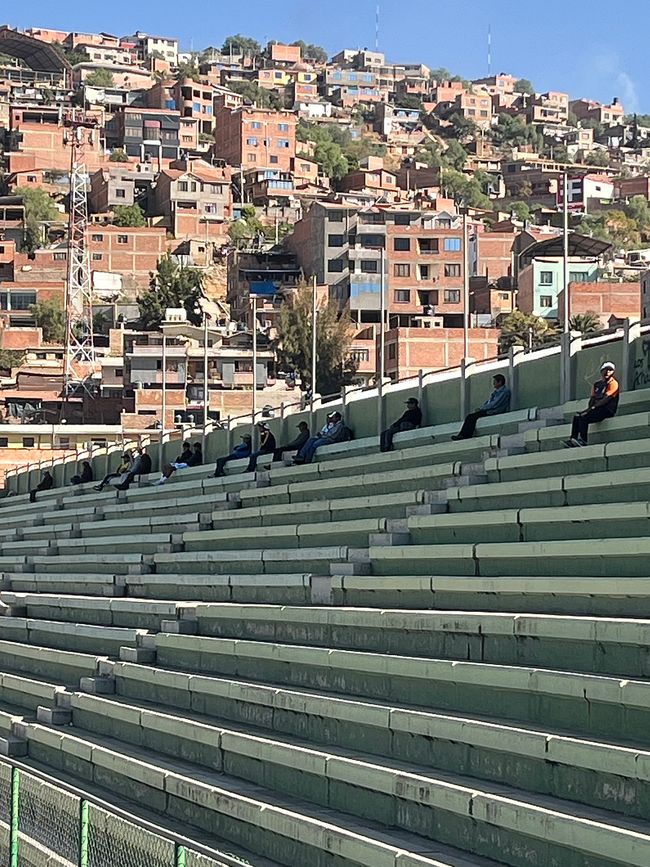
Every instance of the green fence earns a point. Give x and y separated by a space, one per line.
43 824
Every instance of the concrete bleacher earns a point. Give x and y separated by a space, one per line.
436 657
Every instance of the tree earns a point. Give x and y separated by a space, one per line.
73 56
50 316
261 97
334 367
10 359
39 209
118 155
187 69
612 226
597 158
639 119
455 156
171 286
409 100
311 52
521 211
587 323
440 74
515 132
523 85
129 216
100 78
526 329
243 231
241 45
457 185
638 209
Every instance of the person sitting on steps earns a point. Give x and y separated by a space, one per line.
409 420
603 404
120 470
191 456
86 475
267 446
333 431
498 402
46 482
141 467
243 450
296 444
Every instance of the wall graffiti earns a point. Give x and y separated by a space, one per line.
641 377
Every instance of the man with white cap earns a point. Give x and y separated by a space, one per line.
603 404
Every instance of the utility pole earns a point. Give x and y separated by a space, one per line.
382 314
206 390
164 387
254 403
565 250
314 323
80 360
465 286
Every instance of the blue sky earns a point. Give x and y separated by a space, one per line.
585 49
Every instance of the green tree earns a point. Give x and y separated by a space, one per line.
455 156
612 226
440 74
515 132
129 216
50 316
71 55
459 186
241 44
39 209
334 367
187 69
597 158
10 359
261 97
118 155
409 100
638 209
641 119
171 286
315 53
526 329
522 212
523 85
100 78
587 323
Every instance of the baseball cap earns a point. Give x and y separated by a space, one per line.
412 400
608 364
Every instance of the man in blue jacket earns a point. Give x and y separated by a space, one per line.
333 431
498 402
243 450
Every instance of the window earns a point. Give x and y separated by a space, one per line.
428 245
402 270
443 223
357 355
402 244
451 245
252 158
402 219
452 269
452 296
392 351
369 266
98 238
97 257
60 257
504 296
120 193
119 372
283 143
183 186
402 296
28 442
256 124
336 216
335 240
274 159
424 272
122 239
546 278
371 218
335 266
283 127
372 242
251 141
546 301
4 442
578 277
31 179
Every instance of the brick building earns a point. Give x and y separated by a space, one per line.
253 137
194 199
145 132
608 299
409 350
38 141
589 109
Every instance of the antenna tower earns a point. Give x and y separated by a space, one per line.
377 28
80 360
489 50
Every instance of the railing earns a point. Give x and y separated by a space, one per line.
565 346
45 821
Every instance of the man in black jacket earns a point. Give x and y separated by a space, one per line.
267 446
297 443
141 467
411 419
46 482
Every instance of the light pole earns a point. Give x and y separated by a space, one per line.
382 315
206 390
565 249
164 388
314 315
465 286
254 403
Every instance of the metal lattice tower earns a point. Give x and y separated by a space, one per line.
80 361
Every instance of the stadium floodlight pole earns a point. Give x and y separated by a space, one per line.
254 404
465 286
163 426
314 315
565 249
206 390
382 315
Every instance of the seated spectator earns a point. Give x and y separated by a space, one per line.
191 456
498 402
86 475
603 404
333 431
243 450
141 467
409 420
120 472
296 444
46 482
267 446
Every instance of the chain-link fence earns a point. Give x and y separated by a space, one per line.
41 823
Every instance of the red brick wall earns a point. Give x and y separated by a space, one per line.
621 300
435 348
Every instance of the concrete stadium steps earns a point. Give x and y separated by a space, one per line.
83 637
606 557
355 533
98 584
130 613
286 588
621 427
257 561
543 594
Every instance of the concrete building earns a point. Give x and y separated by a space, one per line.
270 273
192 99
152 46
551 108
194 199
119 185
253 137
145 133
589 109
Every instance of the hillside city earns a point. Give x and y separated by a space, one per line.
247 171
